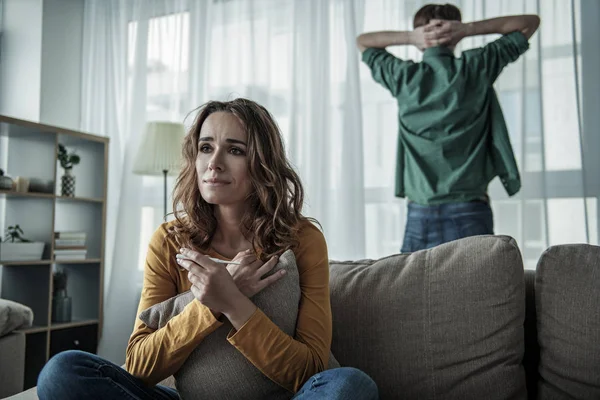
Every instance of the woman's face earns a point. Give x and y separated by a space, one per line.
222 161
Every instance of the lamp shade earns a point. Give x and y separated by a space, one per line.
160 149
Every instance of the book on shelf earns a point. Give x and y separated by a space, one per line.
70 257
78 247
70 235
70 251
69 242
69 239
70 254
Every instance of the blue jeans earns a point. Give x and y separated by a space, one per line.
78 375
429 226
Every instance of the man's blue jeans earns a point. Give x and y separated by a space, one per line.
429 226
78 375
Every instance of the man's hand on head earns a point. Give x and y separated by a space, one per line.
417 38
445 33
430 35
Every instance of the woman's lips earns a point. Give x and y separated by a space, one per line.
216 182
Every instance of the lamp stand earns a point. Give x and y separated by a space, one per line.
165 193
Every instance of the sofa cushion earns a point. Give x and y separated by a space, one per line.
215 369
12 364
568 312
14 316
444 323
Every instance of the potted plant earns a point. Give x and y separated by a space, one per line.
61 303
15 247
67 161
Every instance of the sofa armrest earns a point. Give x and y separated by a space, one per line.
12 363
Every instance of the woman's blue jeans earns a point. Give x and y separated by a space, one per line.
79 375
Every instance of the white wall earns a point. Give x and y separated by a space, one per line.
20 65
62 38
40 65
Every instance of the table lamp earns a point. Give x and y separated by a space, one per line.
159 152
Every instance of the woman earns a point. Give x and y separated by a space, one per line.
237 198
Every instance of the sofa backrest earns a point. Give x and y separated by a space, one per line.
567 299
440 323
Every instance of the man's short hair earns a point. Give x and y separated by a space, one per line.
428 12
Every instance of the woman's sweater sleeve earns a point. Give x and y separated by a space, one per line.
153 355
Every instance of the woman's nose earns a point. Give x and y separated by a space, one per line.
214 167
215 163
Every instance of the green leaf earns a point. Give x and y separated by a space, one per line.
74 158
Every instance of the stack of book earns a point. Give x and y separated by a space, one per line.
69 245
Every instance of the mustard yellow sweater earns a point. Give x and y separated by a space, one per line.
153 355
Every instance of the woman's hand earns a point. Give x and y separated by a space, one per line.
248 274
212 285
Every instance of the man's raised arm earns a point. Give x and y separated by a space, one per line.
452 32
526 24
380 40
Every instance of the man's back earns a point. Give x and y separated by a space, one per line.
451 91
442 95
448 116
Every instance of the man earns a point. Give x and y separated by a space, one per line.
452 137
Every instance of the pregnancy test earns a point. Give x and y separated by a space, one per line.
223 261
217 260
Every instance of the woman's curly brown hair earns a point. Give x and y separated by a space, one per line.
273 215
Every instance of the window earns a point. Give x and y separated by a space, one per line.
543 126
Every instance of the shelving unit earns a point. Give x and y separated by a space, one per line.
29 149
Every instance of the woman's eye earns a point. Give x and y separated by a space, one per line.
236 151
204 148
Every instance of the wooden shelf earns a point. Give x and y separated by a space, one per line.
86 261
16 263
13 193
48 262
59 325
37 128
33 329
84 199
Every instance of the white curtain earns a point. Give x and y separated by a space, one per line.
159 60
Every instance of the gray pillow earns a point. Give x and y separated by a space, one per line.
14 316
444 323
216 369
568 314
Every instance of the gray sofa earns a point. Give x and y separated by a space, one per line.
465 321
12 363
